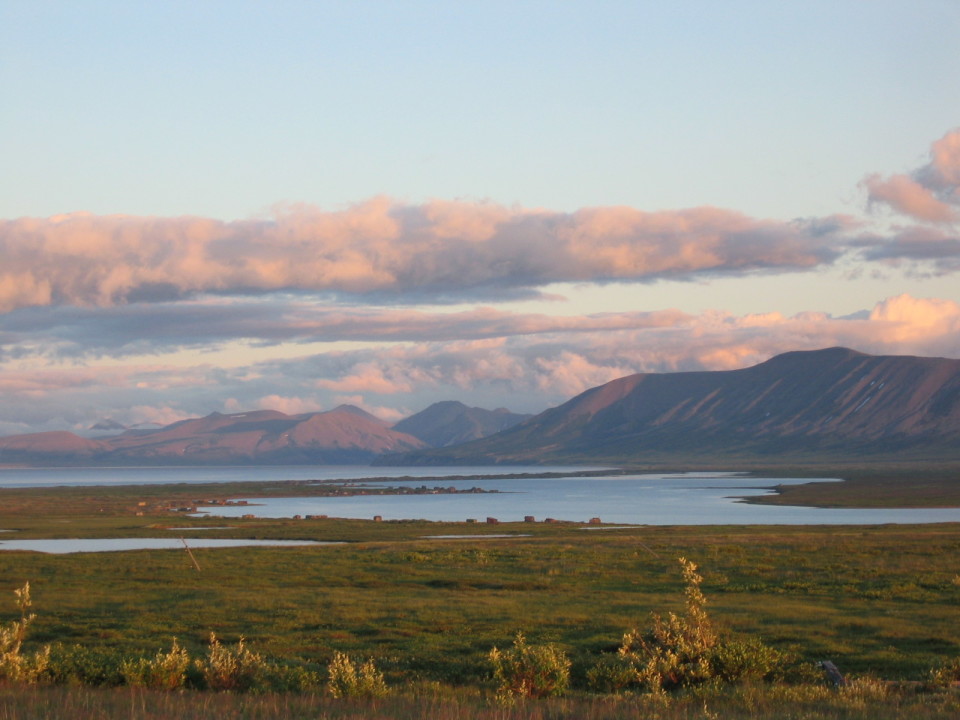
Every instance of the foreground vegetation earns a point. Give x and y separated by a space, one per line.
862 702
423 616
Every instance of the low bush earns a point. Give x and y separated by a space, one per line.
347 679
14 664
235 668
944 675
80 665
683 651
166 671
530 670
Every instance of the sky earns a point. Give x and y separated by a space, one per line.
226 206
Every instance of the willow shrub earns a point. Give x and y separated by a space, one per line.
165 671
683 650
15 665
348 679
236 668
530 670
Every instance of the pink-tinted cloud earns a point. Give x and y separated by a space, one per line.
287 405
385 413
151 415
930 193
523 372
908 197
439 250
372 377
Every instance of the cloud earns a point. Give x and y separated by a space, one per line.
438 250
389 414
521 371
932 250
372 377
908 321
286 405
143 329
151 415
930 193
155 319
571 373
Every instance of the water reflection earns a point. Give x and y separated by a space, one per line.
76 545
655 499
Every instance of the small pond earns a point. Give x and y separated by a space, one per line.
77 545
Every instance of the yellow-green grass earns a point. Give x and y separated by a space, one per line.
879 600
428 701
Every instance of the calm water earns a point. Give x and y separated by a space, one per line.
652 499
75 545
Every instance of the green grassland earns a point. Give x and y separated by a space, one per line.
880 600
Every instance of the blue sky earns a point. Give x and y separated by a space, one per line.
222 109
568 160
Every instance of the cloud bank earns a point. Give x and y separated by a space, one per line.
930 193
132 318
436 251
521 361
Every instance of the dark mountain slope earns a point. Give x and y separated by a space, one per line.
344 435
451 423
827 403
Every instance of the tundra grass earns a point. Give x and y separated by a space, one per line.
875 599
753 703
879 600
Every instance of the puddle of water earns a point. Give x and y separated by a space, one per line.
76 545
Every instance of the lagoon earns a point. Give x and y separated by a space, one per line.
62 546
642 499
702 498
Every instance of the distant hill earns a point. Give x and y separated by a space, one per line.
825 404
345 435
451 423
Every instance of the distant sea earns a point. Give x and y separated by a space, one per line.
646 499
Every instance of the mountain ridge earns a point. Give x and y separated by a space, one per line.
345 435
798 406
834 402
450 422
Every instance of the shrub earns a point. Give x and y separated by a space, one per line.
80 665
735 661
349 680
683 650
288 678
166 671
14 665
612 675
234 668
530 670
676 650
944 675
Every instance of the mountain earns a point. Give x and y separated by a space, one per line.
345 435
825 404
107 425
451 423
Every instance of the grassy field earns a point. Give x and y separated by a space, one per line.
749 703
896 486
878 601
